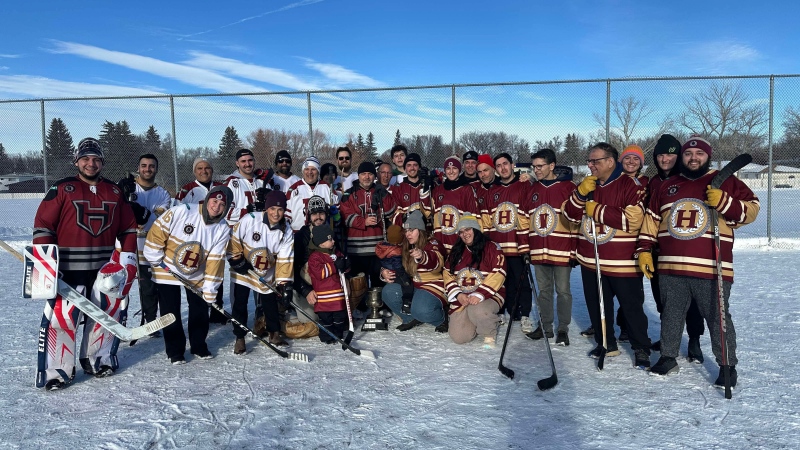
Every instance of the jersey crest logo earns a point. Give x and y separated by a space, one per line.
497 196
688 219
94 220
535 197
448 218
69 188
604 232
256 237
406 197
261 260
441 197
468 279
672 190
235 184
188 229
544 220
187 257
504 218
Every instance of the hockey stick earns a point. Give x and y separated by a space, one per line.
551 381
98 315
351 330
345 345
716 182
503 369
293 356
602 357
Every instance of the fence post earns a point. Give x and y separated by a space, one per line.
454 119
310 127
770 168
174 144
608 111
44 148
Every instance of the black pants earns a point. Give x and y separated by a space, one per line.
515 268
148 294
630 294
336 322
368 264
266 302
695 327
169 300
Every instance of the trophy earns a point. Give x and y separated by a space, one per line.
374 321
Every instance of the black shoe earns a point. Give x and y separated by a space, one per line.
203 354
54 385
623 336
588 332
656 346
538 334
104 371
409 325
443 327
611 351
562 338
177 360
642 357
695 353
665 366
720 383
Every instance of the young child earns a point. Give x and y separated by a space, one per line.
390 253
324 265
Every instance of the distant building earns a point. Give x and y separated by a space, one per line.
11 178
756 176
34 185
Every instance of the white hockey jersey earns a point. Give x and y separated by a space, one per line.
269 250
298 196
284 184
194 192
189 247
157 200
244 193
341 184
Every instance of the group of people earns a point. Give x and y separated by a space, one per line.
454 253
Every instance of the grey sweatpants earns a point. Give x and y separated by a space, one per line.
677 293
480 319
547 277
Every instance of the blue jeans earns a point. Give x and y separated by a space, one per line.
425 307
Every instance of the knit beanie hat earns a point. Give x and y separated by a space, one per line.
275 198
414 220
468 221
485 159
452 161
366 167
88 146
311 161
198 160
321 234
283 154
634 150
667 145
413 157
697 142
394 234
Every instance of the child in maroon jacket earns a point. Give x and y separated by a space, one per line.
324 265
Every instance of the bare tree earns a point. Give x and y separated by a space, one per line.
628 114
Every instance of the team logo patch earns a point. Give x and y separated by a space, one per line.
406 197
672 190
188 229
441 197
448 218
468 279
261 260
604 232
69 188
115 190
134 197
256 237
235 184
496 196
504 218
94 220
535 197
688 219
544 220
187 257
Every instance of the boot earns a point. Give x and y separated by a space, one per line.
588 332
720 382
260 326
409 325
239 348
276 339
695 353
665 366
444 327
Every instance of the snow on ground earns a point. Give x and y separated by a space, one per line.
423 391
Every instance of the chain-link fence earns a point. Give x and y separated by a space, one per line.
759 115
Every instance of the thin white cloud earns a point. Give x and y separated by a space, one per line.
3 67
6 55
495 111
343 76
434 111
281 9
254 72
26 86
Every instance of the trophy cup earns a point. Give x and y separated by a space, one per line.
374 321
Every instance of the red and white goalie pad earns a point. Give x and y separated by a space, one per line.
40 279
116 276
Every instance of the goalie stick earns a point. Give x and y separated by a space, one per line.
286 355
98 315
734 166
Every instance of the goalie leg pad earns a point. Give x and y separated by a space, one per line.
99 346
56 349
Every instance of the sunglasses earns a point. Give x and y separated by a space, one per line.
284 161
344 158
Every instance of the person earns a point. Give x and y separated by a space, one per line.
243 182
422 261
470 164
505 220
398 153
261 242
474 274
412 193
195 193
190 240
361 209
449 201
384 175
552 242
344 159
301 191
329 176
283 177
325 264
679 220
152 200
616 207
83 215
665 157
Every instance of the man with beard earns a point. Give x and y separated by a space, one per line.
679 221
470 164
148 200
614 201
344 160
411 194
283 177
301 191
243 183
449 201
506 222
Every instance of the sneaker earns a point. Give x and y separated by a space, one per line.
612 351
177 360
656 346
538 334
588 332
277 340
488 342
720 382
260 326
623 336
239 347
695 353
526 325
665 366
55 384
443 327
203 355
642 357
386 313
104 371
409 325
562 338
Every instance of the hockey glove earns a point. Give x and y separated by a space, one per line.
264 174
590 207
128 186
116 276
140 213
285 296
240 265
646 264
714 197
342 264
589 184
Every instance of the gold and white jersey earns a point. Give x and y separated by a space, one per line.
270 250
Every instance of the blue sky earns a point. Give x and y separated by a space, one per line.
101 48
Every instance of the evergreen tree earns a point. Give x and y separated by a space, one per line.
122 149
397 139
59 150
370 149
228 147
5 163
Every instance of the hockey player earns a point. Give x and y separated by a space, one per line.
263 242
301 191
678 220
449 201
398 153
83 215
412 193
284 177
190 240
470 165
243 183
143 193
